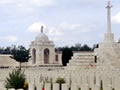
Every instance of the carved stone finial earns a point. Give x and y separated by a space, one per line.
42 29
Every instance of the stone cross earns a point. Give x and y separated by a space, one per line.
109 17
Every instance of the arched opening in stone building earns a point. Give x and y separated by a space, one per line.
34 56
56 58
46 56
95 59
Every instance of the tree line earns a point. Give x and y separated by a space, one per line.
67 52
21 54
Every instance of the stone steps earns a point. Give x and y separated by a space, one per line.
82 60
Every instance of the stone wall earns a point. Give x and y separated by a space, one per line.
84 78
6 61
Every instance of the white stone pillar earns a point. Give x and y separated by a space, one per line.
39 86
74 86
47 86
65 86
84 87
56 86
41 57
60 59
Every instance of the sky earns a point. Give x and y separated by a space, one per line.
66 22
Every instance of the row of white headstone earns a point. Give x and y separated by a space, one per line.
65 86
80 77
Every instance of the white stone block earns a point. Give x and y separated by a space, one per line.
39 86
91 81
47 86
56 86
2 88
65 86
74 86
107 80
98 80
84 80
96 87
31 86
84 87
79 80
20 89
117 83
11 89
107 87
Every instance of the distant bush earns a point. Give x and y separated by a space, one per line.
60 81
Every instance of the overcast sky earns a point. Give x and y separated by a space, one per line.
66 21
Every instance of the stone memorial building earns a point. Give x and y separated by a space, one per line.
43 52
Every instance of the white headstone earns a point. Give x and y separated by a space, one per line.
20 89
74 86
11 89
96 87
84 87
56 86
107 87
47 86
65 86
39 86
31 86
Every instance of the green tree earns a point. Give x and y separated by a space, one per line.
85 47
66 55
20 54
16 79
